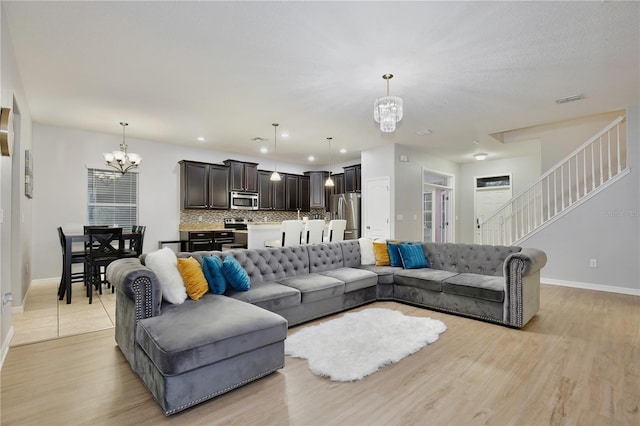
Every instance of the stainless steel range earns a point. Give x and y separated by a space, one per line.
239 223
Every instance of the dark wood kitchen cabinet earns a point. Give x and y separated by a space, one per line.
204 186
297 193
271 195
318 193
243 176
352 180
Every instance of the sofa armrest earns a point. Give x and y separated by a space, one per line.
522 286
533 260
138 283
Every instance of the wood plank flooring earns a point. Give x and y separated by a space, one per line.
576 362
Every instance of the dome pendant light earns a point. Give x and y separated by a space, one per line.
329 181
275 176
387 110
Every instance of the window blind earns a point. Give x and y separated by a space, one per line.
112 198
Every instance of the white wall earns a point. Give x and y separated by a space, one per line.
61 159
605 228
15 232
408 189
378 162
523 170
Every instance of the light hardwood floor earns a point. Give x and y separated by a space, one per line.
576 362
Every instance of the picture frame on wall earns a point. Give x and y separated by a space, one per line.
28 173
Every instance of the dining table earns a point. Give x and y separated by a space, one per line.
82 238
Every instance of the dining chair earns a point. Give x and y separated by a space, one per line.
336 230
135 242
76 257
313 231
291 234
103 246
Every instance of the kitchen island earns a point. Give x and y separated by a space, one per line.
259 232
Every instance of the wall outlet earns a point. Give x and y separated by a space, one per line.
593 263
199 218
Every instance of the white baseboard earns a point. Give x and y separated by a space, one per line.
5 346
589 286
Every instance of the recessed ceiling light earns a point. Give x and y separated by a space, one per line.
200 139
311 158
343 151
424 132
264 150
285 135
476 142
480 156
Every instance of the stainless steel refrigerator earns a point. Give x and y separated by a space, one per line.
347 206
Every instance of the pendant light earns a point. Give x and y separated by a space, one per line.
329 181
387 110
121 160
275 176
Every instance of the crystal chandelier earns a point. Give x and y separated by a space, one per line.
275 176
121 160
387 110
329 181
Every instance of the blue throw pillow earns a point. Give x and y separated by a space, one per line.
212 268
394 254
413 256
235 275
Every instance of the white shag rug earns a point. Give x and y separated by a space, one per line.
360 343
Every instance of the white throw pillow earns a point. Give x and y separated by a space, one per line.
164 264
367 257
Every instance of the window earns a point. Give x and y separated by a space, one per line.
112 198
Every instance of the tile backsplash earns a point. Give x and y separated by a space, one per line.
194 217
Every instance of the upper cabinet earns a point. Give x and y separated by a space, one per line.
243 176
352 180
204 186
296 193
318 192
271 195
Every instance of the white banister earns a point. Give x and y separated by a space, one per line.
525 212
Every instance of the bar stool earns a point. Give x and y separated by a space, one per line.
291 234
336 230
314 231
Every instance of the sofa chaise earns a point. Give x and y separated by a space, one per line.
190 352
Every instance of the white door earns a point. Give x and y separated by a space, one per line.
377 208
488 201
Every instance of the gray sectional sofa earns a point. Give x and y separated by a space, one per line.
190 352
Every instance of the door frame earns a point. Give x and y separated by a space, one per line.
450 187
475 197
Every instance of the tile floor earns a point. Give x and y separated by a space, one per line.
45 317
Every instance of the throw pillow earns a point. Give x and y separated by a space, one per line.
235 274
412 256
212 267
394 254
194 280
382 253
164 264
367 257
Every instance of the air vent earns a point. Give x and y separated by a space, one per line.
569 99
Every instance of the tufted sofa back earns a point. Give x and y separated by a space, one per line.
350 253
325 257
469 258
267 265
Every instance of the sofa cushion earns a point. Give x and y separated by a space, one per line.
164 264
314 287
270 296
194 280
483 287
428 279
385 273
351 253
412 256
212 268
199 333
381 253
354 279
234 273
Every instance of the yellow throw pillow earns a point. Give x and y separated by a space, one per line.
381 253
193 277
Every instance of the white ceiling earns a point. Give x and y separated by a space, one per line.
227 70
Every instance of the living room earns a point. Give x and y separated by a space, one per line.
62 153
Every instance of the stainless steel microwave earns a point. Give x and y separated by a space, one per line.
244 200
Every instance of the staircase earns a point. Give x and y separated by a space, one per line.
596 164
